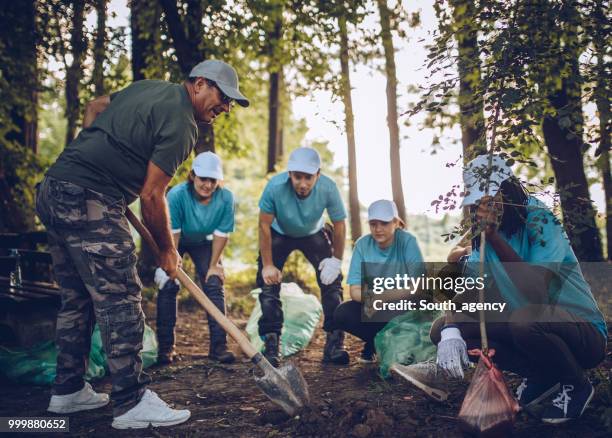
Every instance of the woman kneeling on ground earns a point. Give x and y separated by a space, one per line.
388 246
202 216
554 330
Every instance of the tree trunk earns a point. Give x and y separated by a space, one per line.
74 72
471 116
186 39
206 138
144 25
350 131
607 184
187 49
563 134
396 170
273 121
274 116
100 49
602 100
18 113
565 149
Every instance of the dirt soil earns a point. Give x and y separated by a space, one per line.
346 400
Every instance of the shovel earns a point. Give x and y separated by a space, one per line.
284 386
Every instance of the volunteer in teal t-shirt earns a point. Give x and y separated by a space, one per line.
554 330
388 250
291 218
202 217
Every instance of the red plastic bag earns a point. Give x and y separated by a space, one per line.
488 409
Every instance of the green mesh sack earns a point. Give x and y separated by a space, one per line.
36 365
405 340
301 315
148 354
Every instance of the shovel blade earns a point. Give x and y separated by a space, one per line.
284 386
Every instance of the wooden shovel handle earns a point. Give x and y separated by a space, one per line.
227 325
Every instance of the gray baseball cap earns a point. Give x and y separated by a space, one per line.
224 76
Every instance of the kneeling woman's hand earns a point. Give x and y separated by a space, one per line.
452 352
215 270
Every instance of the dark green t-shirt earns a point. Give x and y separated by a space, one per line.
148 120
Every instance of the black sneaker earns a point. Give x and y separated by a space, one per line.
166 357
368 354
221 354
271 349
569 404
533 391
334 351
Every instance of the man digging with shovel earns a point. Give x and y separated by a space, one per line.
131 144
291 218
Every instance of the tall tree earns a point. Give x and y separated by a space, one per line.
563 133
392 116
350 130
471 102
99 48
275 70
145 30
188 41
603 86
18 114
74 69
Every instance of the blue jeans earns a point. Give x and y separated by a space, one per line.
167 304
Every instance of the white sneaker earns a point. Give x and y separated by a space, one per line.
82 400
150 410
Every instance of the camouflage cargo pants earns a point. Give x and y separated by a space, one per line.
94 262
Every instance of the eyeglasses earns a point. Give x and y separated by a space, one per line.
225 99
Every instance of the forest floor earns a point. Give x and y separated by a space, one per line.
348 400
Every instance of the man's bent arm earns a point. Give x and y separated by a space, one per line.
154 207
93 108
339 238
265 238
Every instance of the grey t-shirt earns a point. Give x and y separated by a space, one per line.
148 120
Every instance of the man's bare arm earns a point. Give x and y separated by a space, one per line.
93 108
156 217
265 237
339 238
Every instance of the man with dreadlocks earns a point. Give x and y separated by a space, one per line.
554 329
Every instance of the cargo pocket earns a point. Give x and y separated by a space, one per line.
113 267
122 330
67 205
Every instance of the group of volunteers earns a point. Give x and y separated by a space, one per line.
132 143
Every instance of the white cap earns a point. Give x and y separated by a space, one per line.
208 165
382 210
475 177
305 160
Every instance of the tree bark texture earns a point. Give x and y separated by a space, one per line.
100 48
274 103
396 170
74 71
349 125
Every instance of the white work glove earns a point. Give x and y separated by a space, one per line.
330 269
161 278
452 352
